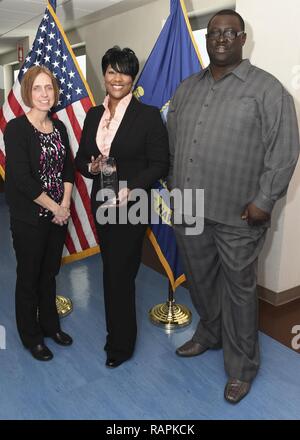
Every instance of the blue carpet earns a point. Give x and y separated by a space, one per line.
154 384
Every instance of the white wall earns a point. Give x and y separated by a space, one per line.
1 85
1 78
274 45
137 29
6 61
207 6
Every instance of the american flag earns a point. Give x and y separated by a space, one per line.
51 48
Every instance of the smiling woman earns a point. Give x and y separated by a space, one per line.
133 135
39 180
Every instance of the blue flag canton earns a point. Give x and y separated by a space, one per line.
50 50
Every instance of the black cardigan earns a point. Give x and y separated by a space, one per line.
22 181
140 147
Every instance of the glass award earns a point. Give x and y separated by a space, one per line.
108 181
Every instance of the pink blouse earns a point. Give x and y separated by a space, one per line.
108 127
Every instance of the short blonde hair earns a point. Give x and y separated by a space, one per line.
28 80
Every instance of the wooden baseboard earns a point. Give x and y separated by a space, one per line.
281 322
277 320
278 298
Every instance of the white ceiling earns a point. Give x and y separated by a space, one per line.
19 18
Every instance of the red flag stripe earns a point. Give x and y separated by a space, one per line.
79 181
14 104
82 189
70 244
74 236
86 104
79 230
2 159
74 123
2 121
83 194
77 224
3 124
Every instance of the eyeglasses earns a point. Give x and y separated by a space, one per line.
228 34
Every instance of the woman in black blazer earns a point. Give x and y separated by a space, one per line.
134 135
38 186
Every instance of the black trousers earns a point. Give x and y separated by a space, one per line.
121 249
38 252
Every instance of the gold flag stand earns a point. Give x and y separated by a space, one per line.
64 306
170 315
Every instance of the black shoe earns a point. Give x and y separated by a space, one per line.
41 352
62 338
191 348
113 363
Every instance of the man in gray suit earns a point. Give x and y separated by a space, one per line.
233 132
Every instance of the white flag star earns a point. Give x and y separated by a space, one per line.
71 74
49 47
47 58
58 53
58 41
39 52
46 17
43 28
36 63
70 85
28 59
24 70
63 69
65 57
62 80
55 64
41 40
68 96
51 36
78 91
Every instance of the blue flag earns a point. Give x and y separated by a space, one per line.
174 57
53 4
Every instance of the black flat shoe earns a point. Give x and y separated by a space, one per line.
62 338
113 363
41 352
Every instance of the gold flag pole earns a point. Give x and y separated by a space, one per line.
64 306
169 314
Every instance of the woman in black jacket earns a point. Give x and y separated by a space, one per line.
38 187
134 135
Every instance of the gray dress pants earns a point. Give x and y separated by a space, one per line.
221 268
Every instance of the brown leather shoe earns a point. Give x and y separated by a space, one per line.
236 390
191 348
